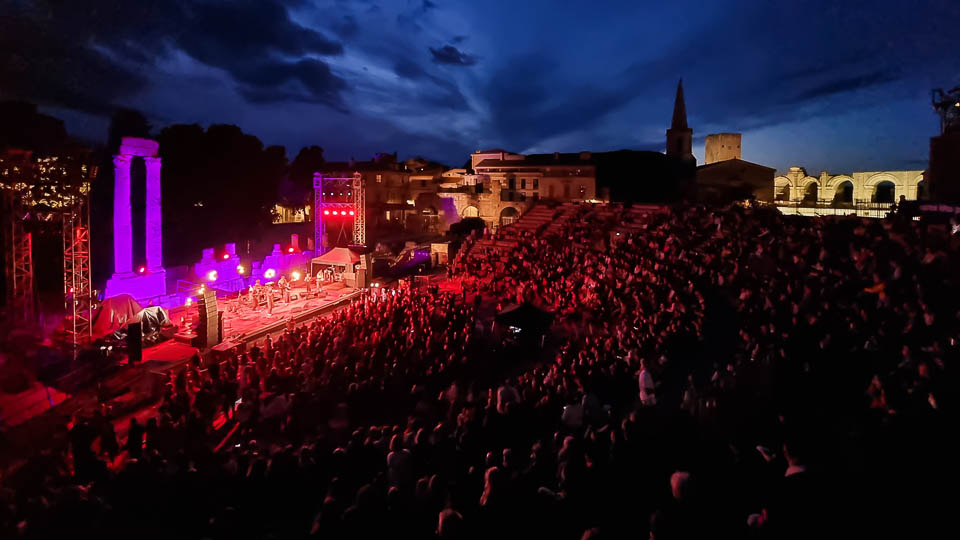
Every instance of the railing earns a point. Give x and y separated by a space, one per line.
861 208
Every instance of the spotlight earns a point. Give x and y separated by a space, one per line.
295 276
334 212
270 273
212 275
241 269
189 302
142 269
326 212
226 256
352 212
290 250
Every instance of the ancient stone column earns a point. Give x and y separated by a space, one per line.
154 224
122 220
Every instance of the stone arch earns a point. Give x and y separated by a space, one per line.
843 193
871 184
809 190
509 214
470 212
831 186
783 189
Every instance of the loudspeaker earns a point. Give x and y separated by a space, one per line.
207 333
219 327
135 343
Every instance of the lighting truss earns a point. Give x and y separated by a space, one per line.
77 284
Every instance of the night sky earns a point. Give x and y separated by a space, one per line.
841 85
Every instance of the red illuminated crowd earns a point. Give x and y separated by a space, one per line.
709 373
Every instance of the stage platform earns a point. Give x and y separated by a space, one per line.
241 324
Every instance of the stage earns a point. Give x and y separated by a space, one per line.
242 324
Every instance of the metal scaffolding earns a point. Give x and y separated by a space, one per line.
22 288
77 285
333 199
360 206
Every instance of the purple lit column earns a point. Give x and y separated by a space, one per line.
122 221
154 228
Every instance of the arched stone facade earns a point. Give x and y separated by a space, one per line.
797 184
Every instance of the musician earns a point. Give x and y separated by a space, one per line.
284 287
308 281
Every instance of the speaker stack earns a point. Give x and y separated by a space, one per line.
135 342
208 332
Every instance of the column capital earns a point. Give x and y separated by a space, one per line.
152 160
122 159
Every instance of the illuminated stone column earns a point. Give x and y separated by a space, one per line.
122 220
154 224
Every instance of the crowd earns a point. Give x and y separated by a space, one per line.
711 373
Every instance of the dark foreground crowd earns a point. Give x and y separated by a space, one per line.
710 373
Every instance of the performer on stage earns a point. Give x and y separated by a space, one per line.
284 287
270 301
308 281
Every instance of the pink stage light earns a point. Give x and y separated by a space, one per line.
270 273
226 256
289 250
241 269
212 275
142 269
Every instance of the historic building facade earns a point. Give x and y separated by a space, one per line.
860 192
504 184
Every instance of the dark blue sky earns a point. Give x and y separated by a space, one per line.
840 85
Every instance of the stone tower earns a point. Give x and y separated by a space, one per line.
721 147
679 136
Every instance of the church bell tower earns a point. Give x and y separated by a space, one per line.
679 136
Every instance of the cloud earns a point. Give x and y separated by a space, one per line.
94 55
450 55
347 27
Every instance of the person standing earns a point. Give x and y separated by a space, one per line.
648 388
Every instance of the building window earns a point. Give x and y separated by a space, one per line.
512 183
536 196
523 197
536 183
379 178
523 183
423 183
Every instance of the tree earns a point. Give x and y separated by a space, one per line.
218 187
126 123
467 225
308 161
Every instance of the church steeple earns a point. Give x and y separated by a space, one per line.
679 109
680 136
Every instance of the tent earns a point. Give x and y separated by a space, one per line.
114 314
338 256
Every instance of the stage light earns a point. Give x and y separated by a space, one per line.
189 302
241 269
270 273
352 212
212 275
290 250
326 212
142 269
226 256
295 276
334 212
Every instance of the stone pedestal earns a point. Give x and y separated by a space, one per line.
141 287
